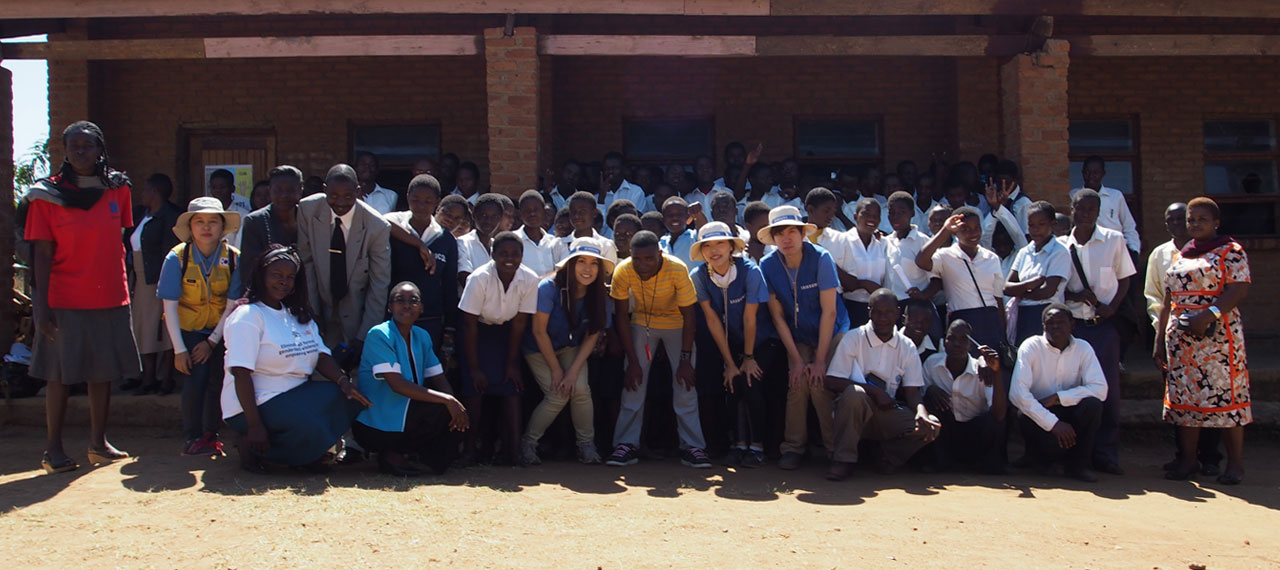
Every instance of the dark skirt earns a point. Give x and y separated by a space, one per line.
491 353
859 313
1030 322
303 423
91 345
985 322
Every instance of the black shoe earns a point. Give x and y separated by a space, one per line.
1210 469
790 460
1229 479
1109 468
385 465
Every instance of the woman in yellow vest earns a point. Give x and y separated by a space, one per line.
198 277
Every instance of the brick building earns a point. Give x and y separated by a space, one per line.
1182 98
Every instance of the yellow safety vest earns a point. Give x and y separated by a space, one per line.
202 301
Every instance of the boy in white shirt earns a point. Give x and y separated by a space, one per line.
1059 386
970 398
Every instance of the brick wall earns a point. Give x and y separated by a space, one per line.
307 102
513 83
1034 109
753 100
977 92
1171 97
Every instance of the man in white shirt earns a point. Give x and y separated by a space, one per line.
614 185
541 250
869 366
968 395
905 278
1113 213
222 185
1162 257
1060 389
380 199
1094 297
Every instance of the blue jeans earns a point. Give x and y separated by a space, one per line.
202 390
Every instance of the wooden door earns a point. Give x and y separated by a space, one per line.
255 150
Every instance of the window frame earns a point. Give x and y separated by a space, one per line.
386 162
1132 156
1272 198
667 159
877 119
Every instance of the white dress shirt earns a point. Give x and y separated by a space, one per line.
558 199
1001 215
849 209
862 353
920 218
1020 207
1114 214
242 205
1042 370
471 199
1106 261
486 298
969 396
471 253
381 199
837 244
628 191
949 264
1053 260
1161 259
541 256
867 262
903 273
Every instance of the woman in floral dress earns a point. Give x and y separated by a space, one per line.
1200 342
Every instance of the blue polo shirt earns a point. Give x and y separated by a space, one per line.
681 248
747 287
817 273
562 332
386 351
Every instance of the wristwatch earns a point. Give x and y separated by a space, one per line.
1217 313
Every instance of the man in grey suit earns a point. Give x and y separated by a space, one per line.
345 247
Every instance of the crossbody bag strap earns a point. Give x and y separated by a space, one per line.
1075 260
981 299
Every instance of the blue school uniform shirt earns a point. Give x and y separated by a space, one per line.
681 248
385 351
817 273
563 333
747 287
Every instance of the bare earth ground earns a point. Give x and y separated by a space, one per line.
165 511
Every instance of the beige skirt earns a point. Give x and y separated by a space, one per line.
147 310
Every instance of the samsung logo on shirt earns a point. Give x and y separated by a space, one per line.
808 286
738 300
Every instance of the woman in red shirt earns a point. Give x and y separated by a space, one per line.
74 220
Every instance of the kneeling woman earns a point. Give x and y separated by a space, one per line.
571 315
273 346
413 410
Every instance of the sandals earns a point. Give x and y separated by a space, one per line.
50 467
105 456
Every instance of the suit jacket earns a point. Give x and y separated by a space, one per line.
368 257
157 239
258 230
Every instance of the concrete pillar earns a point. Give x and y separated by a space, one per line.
1034 100
512 80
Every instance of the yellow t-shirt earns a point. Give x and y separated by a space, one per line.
655 303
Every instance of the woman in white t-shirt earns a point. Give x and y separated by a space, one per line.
273 347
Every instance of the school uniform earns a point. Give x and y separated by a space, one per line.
1106 261
396 423
970 431
920 217
627 191
799 292
679 246
864 359
566 339
495 306
974 288
383 200
1076 377
1004 217
608 248
472 253
541 256
1052 260
656 321
865 262
902 273
438 289
1114 214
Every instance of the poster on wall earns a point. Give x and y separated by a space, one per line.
242 172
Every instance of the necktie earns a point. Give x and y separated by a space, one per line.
338 262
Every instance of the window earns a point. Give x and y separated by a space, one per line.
654 141
1240 173
824 145
1113 139
397 146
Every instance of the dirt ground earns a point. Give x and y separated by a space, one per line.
160 510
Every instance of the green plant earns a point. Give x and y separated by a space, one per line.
33 166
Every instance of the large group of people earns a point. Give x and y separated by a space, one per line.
887 319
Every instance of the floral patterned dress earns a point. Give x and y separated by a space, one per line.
1208 381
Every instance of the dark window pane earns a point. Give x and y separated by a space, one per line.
1101 136
1248 218
837 139
398 144
681 140
1239 136
1243 177
1119 175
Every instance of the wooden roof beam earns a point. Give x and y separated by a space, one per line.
197 48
